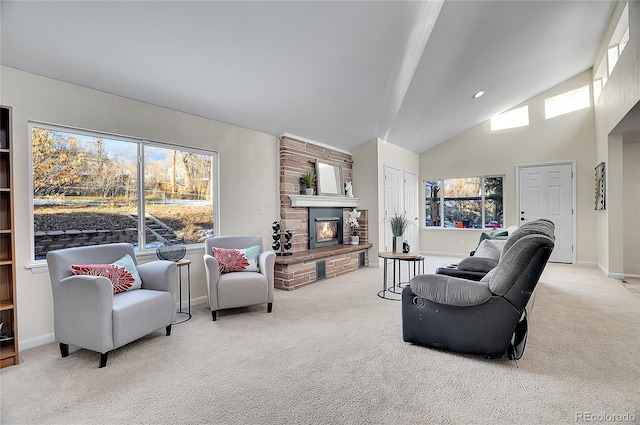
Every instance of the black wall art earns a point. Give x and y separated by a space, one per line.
600 187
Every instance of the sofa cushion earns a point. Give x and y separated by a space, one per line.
450 290
237 260
137 313
538 227
120 278
514 261
490 248
128 263
242 289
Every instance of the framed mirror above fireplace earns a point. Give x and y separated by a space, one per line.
329 179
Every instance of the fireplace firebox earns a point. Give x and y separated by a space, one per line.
325 227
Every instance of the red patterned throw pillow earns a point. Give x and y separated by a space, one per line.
230 260
120 278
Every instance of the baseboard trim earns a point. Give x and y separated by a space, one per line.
586 263
611 275
25 344
194 302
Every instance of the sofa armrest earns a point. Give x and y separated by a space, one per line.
212 273
462 274
450 290
477 264
266 264
160 275
83 312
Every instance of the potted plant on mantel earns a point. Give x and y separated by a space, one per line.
308 178
399 224
352 221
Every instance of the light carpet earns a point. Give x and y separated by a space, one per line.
332 353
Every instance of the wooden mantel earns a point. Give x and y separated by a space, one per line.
323 201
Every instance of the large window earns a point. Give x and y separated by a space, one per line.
91 189
465 203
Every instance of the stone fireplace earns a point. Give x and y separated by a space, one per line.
325 227
320 243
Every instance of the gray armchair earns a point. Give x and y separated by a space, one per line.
88 315
238 289
485 317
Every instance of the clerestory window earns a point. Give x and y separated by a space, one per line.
92 188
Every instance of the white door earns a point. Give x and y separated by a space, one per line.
411 209
546 192
392 201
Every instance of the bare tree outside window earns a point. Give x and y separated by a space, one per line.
464 203
86 192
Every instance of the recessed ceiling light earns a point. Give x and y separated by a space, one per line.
477 95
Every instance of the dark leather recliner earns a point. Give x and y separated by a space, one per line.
485 317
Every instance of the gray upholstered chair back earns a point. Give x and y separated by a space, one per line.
541 226
60 261
232 242
522 261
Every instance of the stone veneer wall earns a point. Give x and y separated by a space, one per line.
296 158
300 269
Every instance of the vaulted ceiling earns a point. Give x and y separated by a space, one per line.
336 72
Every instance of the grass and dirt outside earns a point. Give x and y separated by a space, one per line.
193 222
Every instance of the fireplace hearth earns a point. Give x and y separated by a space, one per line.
325 227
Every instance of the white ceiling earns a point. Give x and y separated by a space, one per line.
339 73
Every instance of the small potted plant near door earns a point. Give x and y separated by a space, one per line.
399 224
352 221
309 178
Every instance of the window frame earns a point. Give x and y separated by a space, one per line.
442 197
140 144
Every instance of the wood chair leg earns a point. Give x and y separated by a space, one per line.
103 359
168 330
64 349
213 315
269 307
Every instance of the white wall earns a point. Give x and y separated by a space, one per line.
479 151
617 99
631 207
365 187
249 200
368 182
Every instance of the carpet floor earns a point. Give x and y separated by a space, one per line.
332 353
